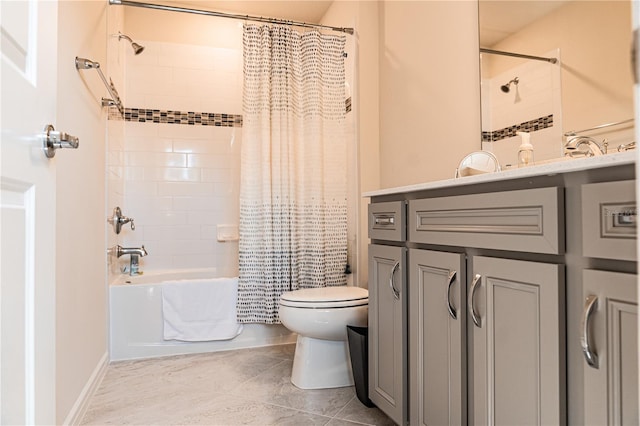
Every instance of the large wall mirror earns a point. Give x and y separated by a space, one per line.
590 84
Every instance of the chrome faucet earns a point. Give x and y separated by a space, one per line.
135 253
594 148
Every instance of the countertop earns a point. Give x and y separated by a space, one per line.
545 168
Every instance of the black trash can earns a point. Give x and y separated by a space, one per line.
359 351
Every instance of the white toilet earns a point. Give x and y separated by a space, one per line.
320 317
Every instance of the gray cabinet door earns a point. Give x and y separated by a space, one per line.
387 330
609 337
517 320
437 361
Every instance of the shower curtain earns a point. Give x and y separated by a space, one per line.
293 209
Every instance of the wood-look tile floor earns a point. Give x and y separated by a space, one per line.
239 387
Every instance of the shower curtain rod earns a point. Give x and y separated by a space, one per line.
518 55
229 15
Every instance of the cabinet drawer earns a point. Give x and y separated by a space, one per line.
609 220
387 221
526 220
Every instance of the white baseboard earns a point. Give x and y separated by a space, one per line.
79 409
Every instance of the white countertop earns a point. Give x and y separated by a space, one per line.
546 168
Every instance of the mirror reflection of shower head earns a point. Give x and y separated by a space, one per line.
137 49
505 87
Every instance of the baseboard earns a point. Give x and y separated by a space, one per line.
82 403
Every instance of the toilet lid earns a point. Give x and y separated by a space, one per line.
326 297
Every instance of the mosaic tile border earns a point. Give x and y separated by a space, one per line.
526 126
143 115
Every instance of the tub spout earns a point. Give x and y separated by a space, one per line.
138 251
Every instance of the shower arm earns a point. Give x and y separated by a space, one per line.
85 64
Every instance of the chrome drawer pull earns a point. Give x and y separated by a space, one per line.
628 218
474 285
395 292
384 220
590 305
452 311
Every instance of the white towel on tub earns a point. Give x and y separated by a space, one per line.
200 310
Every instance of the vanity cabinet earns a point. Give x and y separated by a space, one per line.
437 336
499 275
388 330
517 342
609 342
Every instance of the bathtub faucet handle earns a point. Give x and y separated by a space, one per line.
118 219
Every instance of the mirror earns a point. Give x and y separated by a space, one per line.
590 85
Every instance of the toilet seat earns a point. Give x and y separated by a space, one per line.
326 297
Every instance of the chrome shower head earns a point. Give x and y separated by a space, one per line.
505 87
137 49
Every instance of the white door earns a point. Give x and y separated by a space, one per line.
27 213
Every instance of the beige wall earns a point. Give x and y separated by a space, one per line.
81 302
429 89
363 17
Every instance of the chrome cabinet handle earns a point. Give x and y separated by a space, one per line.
474 285
53 139
395 292
384 220
451 279
590 305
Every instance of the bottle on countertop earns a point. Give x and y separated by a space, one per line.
525 152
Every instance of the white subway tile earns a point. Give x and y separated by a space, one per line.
134 129
209 232
197 203
158 159
140 188
173 232
172 174
220 161
148 144
200 146
178 131
194 261
204 217
156 263
134 173
185 189
223 176
163 217
175 102
153 203
198 247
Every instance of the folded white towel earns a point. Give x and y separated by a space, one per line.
200 310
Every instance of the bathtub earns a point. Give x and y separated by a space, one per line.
135 319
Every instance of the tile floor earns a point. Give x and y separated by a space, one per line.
240 387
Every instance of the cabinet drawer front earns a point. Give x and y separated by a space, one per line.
526 220
387 221
609 220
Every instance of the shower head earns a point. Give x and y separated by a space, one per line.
505 87
137 49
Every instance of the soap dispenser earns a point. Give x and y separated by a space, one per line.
525 152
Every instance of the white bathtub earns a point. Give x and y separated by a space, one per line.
135 308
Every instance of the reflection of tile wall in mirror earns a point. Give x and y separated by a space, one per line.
533 105
597 84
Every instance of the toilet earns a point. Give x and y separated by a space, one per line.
320 317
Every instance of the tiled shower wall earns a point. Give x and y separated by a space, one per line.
535 105
181 181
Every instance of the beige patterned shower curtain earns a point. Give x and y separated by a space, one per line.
293 208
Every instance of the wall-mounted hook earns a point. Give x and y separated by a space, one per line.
117 220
